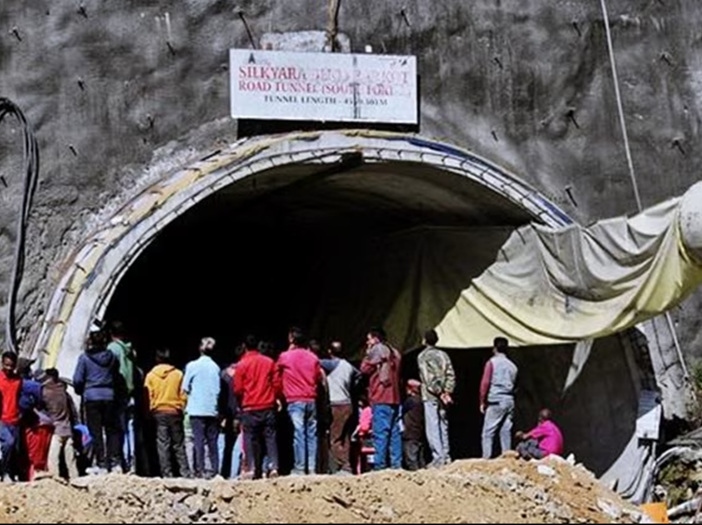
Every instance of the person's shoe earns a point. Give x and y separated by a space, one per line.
246 476
273 474
117 470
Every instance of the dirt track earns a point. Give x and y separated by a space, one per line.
503 490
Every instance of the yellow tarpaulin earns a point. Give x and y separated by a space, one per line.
553 286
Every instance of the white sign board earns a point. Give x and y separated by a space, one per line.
323 87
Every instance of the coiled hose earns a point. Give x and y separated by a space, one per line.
31 180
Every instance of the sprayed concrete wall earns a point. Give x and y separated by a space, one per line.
119 92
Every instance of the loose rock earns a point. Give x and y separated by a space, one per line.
503 490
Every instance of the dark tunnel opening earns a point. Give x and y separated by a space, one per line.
330 249
336 251
333 250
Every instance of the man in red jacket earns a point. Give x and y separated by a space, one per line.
301 375
257 388
10 388
382 365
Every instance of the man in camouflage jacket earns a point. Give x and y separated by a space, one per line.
438 383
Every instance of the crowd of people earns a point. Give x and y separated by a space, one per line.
210 421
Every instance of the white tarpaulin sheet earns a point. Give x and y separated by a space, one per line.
555 286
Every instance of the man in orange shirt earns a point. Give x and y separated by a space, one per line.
10 387
167 403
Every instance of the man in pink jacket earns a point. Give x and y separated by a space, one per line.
545 439
301 374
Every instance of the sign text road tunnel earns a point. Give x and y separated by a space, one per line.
323 87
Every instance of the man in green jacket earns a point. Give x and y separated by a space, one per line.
438 383
126 356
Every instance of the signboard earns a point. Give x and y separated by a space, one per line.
323 87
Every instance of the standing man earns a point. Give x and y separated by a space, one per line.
497 390
257 388
126 356
62 411
301 376
98 380
202 386
324 415
413 422
166 402
36 427
438 383
10 387
231 422
382 365
343 380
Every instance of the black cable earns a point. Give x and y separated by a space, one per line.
31 180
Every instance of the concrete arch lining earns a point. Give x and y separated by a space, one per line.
104 257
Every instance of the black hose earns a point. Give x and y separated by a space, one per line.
31 179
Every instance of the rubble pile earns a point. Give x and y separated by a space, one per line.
679 485
504 490
682 479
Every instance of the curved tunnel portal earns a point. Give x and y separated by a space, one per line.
332 231
335 249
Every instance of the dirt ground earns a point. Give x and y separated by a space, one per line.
504 490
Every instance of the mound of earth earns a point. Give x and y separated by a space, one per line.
504 490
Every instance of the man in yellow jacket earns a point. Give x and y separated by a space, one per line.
167 403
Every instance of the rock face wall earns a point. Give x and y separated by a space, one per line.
114 88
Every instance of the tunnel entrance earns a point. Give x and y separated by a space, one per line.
338 250
334 250
332 231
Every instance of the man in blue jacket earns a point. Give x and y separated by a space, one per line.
97 379
202 384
